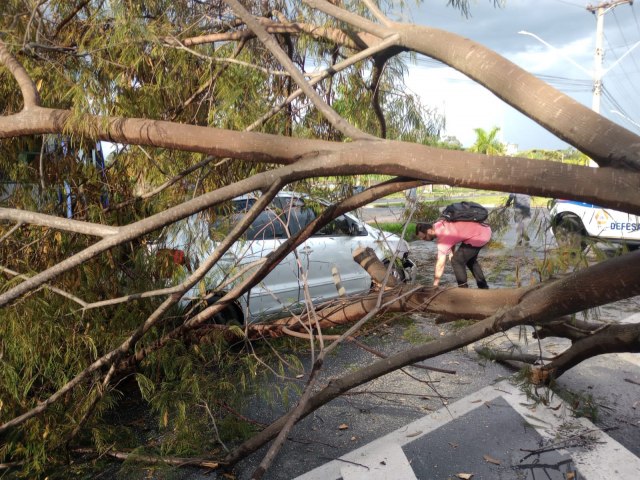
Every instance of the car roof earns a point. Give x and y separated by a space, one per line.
282 193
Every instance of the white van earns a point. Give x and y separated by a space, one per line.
575 224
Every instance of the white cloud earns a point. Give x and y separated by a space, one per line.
573 58
465 104
568 27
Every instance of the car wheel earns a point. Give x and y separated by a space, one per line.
397 272
569 232
231 315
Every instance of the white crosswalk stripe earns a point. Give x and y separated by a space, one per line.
386 462
384 459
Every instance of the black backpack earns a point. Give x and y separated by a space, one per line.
465 212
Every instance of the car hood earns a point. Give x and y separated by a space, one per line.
388 239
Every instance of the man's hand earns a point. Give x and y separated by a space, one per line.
439 270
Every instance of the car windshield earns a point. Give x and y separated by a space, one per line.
285 217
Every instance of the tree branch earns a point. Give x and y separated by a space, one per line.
27 87
336 120
110 358
611 339
542 103
59 291
328 72
381 17
349 18
58 223
285 27
534 306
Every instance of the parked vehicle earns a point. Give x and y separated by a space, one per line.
576 224
319 261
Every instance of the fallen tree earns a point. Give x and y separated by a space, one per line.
129 105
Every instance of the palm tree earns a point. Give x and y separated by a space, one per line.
487 143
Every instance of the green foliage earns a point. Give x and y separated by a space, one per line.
460 324
568 155
428 211
123 58
499 219
487 142
449 143
465 5
398 228
582 404
413 335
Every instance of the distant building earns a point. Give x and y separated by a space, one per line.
510 148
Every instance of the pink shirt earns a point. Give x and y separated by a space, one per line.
451 233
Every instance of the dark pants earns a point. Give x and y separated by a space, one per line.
522 217
467 256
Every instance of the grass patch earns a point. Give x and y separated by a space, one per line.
396 227
460 324
443 198
414 336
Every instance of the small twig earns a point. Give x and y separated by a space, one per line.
5 466
377 12
215 426
92 403
59 291
577 440
11 230
384 392
175 461
382 355
345 461
239 415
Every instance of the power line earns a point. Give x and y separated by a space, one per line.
571 4
624 38
625 85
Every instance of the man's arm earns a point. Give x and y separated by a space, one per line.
439 270
509 200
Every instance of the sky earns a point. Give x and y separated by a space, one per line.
562 55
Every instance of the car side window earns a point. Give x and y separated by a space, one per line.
339 226
242 205
279 203
342 226
266 226
297 216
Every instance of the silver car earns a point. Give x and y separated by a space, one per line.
324 261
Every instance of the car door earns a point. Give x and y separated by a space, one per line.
327 261
278 293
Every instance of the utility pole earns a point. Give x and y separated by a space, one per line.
599 11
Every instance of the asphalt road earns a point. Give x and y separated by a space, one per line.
418 424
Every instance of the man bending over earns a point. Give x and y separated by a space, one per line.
470 238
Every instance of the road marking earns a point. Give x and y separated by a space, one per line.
605 459
633 318
404 435
631 357
382 463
